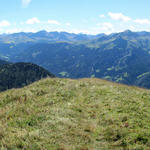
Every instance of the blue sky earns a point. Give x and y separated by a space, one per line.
77 16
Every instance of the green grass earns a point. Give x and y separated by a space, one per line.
65 114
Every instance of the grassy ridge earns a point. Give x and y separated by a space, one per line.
65 114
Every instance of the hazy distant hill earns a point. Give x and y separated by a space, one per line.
20 74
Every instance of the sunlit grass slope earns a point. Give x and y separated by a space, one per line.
65 114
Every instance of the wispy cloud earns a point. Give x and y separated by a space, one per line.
54 22
106 27
17 30
68 24
25 3
4 23
119 16
102 16
32 21
142 21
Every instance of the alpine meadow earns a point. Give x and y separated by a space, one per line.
74 75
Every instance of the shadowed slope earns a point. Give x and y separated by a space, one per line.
20 74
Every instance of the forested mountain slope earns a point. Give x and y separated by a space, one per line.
121 57
20 74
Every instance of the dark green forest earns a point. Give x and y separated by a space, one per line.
20 74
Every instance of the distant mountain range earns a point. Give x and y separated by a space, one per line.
44 36
121 57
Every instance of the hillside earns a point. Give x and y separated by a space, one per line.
20 74
65 114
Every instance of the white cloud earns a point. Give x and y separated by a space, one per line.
32 21
17 30
4 23
68 24
22 23
108 25
102 16
54 22
78 31
25 2
119 16
142 21
105 27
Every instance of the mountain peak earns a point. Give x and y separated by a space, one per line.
127 31
42 31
